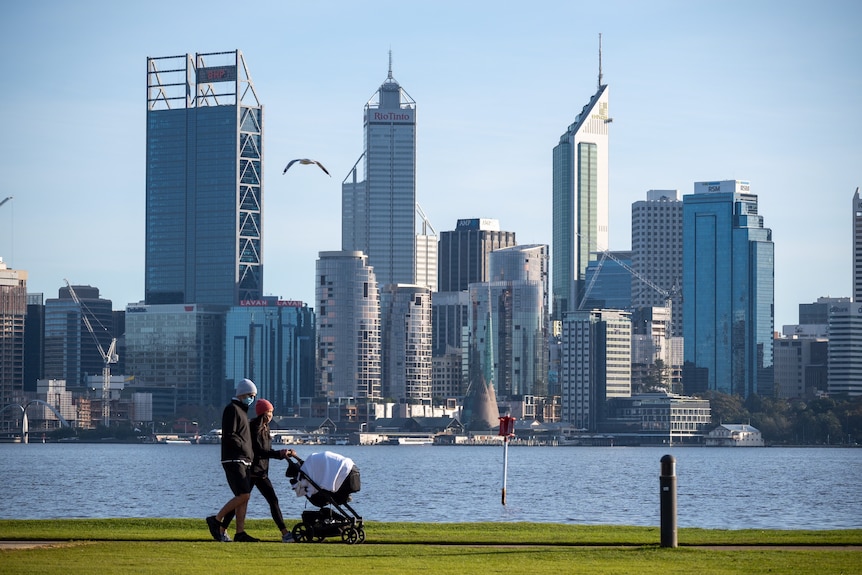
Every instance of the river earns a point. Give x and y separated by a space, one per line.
722 488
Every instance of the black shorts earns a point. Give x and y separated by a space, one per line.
238 477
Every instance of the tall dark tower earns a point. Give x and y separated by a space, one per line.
204 181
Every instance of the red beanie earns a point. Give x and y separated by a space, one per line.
261 406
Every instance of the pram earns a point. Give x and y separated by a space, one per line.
327 480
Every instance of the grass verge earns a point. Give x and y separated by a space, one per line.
184 545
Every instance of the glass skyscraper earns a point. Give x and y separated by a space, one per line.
580 201
728 291
203 181
272 342
378 214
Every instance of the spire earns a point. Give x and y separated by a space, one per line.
389 77
600 61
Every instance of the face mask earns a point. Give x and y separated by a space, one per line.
248 400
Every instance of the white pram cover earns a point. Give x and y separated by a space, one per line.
327 469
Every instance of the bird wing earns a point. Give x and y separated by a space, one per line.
289 164
322 168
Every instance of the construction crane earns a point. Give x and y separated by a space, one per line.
668 303
426 223
108 357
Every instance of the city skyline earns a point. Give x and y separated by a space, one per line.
763 93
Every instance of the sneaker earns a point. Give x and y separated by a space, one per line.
288 538
225 538
215 527
243 537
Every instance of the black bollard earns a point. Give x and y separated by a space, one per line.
667 482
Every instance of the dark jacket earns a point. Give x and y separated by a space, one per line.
236 433
263 452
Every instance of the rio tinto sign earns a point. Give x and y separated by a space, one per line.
216 74
390 116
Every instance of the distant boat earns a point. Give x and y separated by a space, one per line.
408 440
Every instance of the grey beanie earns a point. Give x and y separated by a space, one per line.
246 386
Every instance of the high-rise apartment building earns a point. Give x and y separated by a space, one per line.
580 200
13 310
348 327
378 214
657 254
728 289
857 247
595 364
406 345
204 185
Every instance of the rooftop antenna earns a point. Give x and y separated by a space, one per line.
390 63
600 60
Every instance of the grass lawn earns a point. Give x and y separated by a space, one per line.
184 546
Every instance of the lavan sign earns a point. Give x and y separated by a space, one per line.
270 303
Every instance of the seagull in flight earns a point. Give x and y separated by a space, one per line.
306 161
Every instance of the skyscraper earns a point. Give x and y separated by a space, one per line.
465 252
657 253
13 309
857 247
71 351
728 291
204 181
580 199
406 345
378 214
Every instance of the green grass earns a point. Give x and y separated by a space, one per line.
184 546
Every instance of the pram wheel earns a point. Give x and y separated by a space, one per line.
303 533
361 535
350 535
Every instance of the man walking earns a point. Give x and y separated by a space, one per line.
237 455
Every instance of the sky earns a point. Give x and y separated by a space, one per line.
763 91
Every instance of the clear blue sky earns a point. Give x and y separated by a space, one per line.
764 91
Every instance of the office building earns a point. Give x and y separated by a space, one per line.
204 187
845 349
176 353
580 200
857 247
13 310
406 344
71 350
656 255
272 342
728 288
465 251
378 213
34 341
608 282
595 364
348 327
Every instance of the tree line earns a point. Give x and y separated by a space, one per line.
820 421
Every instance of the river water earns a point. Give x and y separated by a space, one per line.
722 488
